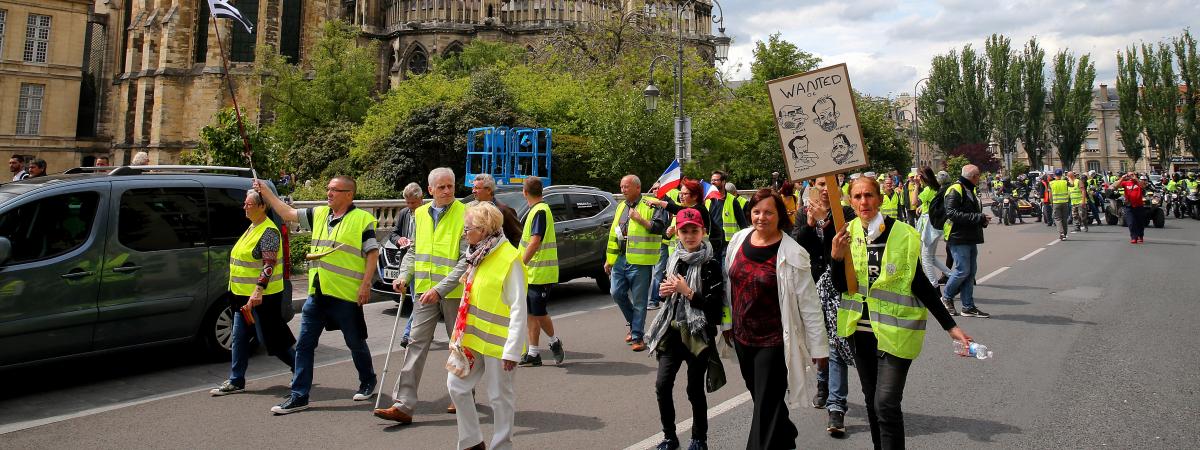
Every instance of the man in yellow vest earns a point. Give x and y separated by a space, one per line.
1060 198
1079 201
342 261
539 253
891 199
434 266
633 243
727 214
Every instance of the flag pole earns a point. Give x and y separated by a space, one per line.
233 94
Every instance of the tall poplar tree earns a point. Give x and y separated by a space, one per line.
1071 104
1189 71
1006 105
1160 100
1033 89
1130 125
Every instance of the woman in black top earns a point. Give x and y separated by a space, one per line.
685 330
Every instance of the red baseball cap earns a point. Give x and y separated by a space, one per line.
689 216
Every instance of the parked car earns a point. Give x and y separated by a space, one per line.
97 260
582 218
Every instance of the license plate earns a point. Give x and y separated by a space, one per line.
391 274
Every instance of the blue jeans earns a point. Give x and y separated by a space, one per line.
408 323
962 276
241 354
838 386
316 312
660 272
629 284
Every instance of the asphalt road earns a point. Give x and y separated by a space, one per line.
1091 338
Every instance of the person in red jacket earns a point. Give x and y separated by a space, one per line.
1135 211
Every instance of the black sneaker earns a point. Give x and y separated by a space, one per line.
530 361
696 444
227 388
365 392
292 404
975 312
652 307
949 304
837 424
668 444
556 348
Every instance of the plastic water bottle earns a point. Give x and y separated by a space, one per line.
979 351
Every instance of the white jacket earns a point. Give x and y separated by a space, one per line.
801 311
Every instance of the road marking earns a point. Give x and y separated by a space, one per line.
18 426
1054 242
990 275
1030 255
686 424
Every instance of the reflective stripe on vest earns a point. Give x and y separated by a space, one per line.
436 251
341 272
488 316
729 222
890 205
1076 194
641 247
244 269
543 267
897 318
1060 192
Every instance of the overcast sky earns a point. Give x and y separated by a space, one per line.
887 44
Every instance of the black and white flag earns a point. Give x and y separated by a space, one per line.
222 8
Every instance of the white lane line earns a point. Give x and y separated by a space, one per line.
1030 255
990 275
18 426
686 424
1054 242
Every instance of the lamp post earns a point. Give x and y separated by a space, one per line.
912 115
941 108
1004 145
683 123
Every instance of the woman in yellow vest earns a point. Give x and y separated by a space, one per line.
885 319
490 328
256 285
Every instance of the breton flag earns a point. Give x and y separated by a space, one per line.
222 8
669 179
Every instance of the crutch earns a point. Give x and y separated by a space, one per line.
391 344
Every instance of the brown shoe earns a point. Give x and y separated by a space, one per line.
454 410
479 446
629 339
638 346
393 414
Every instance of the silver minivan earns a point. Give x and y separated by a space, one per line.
103 259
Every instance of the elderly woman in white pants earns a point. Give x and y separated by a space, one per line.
490 330
930 236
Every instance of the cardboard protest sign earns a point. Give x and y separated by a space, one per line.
817 121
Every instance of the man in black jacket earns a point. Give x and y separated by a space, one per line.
965 222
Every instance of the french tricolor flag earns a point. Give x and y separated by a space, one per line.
710 191
669 179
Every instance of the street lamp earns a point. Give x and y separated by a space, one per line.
1004 145
683 123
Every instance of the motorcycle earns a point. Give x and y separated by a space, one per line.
1154 208
1175 204
1193 204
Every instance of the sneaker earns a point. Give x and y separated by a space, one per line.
696 444
292 404
629 339
1062 237
1133 241
530 361
227 388
667 444
837 424
365 392
556 349
949 304
653 306
639 346
1141 240
975 312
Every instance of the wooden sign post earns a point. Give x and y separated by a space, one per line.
819 133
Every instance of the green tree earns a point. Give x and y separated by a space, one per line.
478 55
334 85
886 150
1071 104
221 145
960 81
1004 75
1128 90
317 150
1160 100
1189 71
1033 87
777 58
955 164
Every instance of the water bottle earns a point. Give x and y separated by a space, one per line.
979 351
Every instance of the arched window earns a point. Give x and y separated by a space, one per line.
200 45
453 49
241 47
418 61
289 39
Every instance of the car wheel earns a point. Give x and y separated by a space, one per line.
216 332
602 282
1109 218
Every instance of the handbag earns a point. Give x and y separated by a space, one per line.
461 360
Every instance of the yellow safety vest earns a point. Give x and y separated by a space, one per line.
641 246
950 224
729 222
436 251
846 194
1076 194
486 331
244 269
1060 192
897 318
543 267
340 272
890 205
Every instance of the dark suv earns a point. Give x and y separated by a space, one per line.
582 217
95 259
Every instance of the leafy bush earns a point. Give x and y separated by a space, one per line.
299 247
954 165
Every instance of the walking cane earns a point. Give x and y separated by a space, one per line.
391 344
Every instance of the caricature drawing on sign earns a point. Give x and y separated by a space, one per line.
792 118
843 150
803 158
826 110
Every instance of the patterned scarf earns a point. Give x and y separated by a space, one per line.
692 320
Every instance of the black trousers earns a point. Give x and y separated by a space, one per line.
883 376
671 357
765 373
277 337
